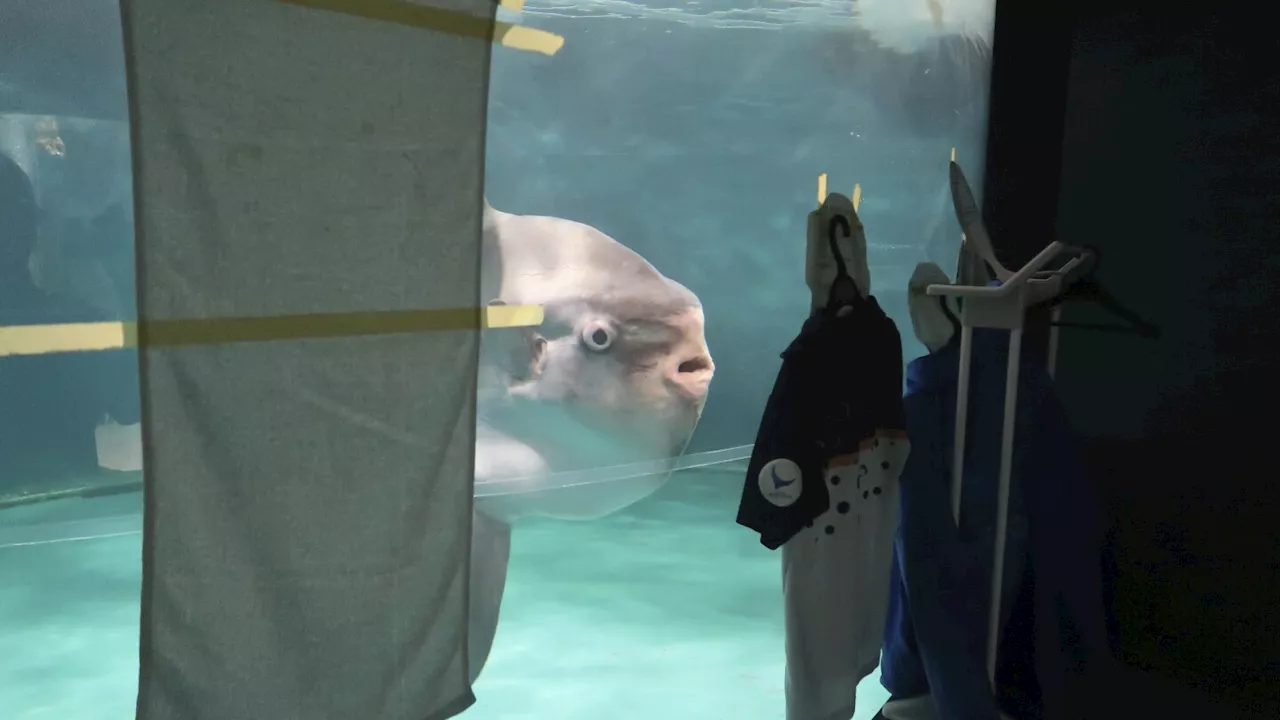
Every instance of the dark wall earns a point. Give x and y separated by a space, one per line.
1154 136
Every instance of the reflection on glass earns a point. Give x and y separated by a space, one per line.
66 223
70 480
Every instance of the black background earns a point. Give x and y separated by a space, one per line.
1148 131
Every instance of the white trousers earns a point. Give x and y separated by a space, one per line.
835 579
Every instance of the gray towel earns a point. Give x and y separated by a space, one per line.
308 511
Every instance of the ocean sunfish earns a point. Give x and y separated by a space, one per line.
617 373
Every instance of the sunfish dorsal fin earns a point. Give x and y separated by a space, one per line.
490 253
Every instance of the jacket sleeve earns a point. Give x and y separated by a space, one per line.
784 452
890 416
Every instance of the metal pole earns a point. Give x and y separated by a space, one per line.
962 420
1002 506
1054 317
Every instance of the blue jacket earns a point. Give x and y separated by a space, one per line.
936 630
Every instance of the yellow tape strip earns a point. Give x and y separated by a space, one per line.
513 316
88 337
512 5
72 337
822 192
448 21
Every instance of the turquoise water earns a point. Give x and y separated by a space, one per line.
694 134
665 609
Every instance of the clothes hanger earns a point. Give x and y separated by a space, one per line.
934 321
951 317
844 291
1089 290
976 262
977 257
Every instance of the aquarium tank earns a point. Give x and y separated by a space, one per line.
661 161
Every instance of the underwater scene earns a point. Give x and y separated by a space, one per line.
647 185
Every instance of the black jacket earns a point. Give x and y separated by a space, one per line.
840 385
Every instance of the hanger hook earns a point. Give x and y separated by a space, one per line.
951 317
1096 259
841 222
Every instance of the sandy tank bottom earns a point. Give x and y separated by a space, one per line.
665 610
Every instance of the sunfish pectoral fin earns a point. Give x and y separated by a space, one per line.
490 553
537 346
516 354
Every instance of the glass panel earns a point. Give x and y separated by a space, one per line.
70 465
692 136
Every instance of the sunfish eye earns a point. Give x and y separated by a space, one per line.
597 337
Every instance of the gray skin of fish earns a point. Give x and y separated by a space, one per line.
617 373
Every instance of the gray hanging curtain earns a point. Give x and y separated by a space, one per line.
308 188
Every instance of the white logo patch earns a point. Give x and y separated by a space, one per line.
781 482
